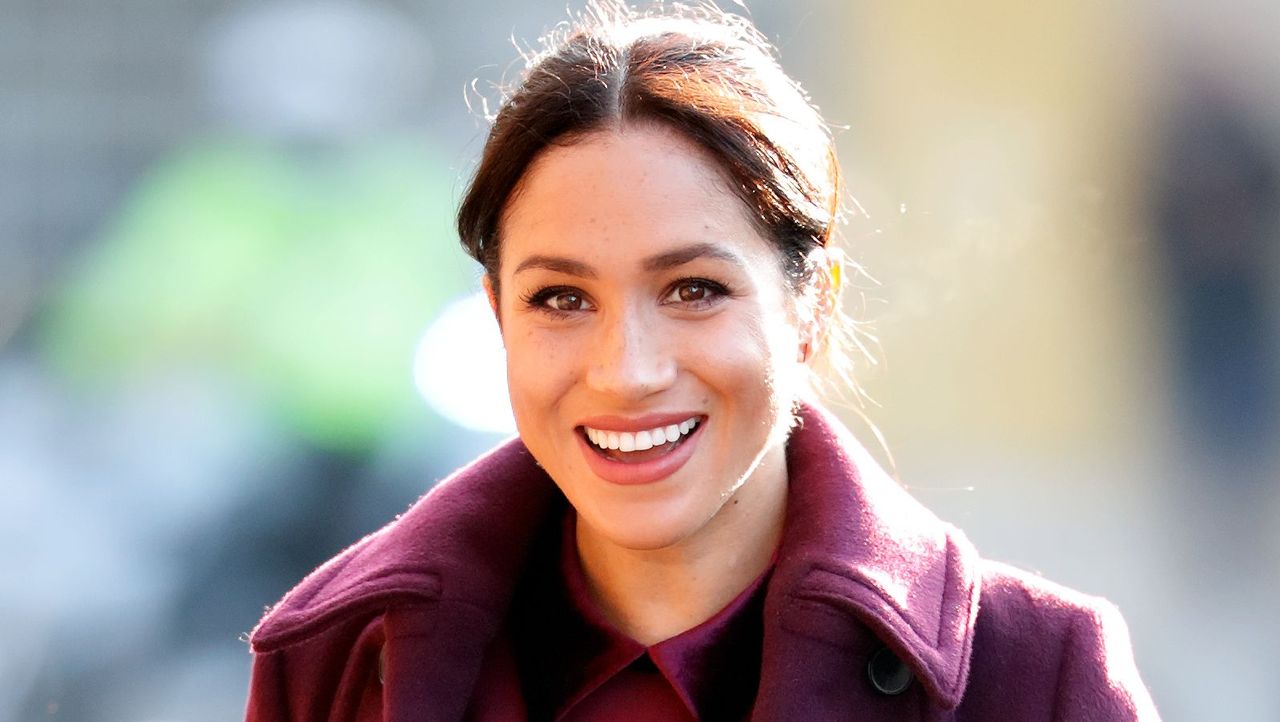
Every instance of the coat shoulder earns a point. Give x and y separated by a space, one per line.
1023 605
1045 651
467 529
354 584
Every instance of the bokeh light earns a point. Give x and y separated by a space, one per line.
460 367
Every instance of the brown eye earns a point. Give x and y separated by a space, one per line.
559 300
692 292
696 293
566 302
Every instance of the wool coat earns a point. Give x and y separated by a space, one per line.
876 610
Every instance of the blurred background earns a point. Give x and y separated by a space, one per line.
237 332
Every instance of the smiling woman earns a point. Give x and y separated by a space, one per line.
664 306
680 532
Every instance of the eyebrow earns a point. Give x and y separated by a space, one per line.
660 262
681 256
558 264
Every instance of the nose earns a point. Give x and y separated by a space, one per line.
631 358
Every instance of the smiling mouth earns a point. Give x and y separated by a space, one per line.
635 447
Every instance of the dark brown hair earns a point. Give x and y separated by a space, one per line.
704 73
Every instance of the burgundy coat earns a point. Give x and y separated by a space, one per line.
876 609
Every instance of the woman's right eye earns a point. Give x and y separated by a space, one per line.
566 302
559 300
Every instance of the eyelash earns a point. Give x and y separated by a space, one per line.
538 299
715 292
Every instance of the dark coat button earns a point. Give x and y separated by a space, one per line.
888 674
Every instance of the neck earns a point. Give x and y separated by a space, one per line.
654 594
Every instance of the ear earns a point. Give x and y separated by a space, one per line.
492 294
822 302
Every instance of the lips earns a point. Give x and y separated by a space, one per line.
639 451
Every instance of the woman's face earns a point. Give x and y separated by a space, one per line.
637 295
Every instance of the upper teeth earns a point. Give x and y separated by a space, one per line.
639 440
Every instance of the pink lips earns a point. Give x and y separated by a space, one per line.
641 472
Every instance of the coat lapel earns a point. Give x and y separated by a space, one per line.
440 577
476 541
431 663
862 566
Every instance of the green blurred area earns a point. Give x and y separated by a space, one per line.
305 273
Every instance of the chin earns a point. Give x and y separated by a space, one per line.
643 529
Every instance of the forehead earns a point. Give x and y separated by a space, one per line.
639 187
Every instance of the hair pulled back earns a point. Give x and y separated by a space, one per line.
701 72
708 75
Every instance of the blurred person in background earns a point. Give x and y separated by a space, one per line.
1217 215
680 530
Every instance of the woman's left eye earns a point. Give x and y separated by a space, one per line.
695 292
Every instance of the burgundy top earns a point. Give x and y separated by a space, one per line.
575 666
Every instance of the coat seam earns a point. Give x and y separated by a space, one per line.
810 592
972 600
280 675
313 628
1068 645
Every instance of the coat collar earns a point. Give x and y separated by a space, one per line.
854 542
858 543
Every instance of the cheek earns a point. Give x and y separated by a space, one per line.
538 370
753 353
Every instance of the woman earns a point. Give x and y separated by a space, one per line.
678 533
